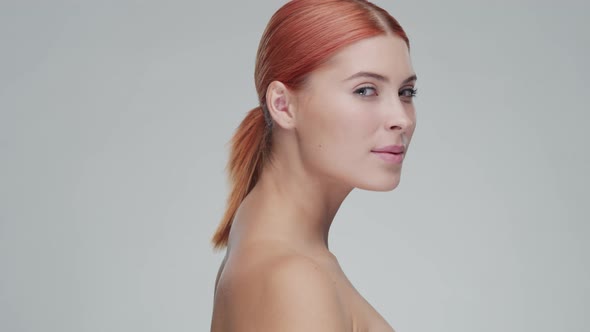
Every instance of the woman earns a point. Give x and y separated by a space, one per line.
335 85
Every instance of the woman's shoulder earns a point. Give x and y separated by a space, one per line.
267 264
273 287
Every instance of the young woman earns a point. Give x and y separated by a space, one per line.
336 87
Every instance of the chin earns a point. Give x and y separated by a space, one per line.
380 184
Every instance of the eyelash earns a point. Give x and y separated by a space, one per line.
412 91
358 91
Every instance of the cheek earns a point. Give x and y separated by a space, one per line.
339 121
338 133
410 131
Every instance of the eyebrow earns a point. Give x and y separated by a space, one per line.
379 77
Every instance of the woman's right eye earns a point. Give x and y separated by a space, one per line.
366 91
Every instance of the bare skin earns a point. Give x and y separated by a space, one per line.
278 273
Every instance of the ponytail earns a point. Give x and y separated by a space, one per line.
249 150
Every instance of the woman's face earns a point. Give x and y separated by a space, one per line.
355 105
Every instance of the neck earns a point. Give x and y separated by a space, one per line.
289 204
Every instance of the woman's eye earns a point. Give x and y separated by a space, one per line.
366 91
408 93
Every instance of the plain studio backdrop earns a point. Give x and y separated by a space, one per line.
115 118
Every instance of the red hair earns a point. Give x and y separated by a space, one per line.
300 37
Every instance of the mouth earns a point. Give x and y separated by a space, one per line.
390 157
394 149
389 153
396 153
392 154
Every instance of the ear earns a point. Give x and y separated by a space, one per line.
280 104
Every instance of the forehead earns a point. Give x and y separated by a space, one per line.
385 54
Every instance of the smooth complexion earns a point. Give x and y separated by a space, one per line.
278 273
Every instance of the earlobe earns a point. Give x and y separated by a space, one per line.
278 100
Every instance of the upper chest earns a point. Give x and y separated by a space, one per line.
363 316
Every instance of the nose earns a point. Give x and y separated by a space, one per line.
400 116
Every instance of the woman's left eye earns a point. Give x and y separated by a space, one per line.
366 91
408 92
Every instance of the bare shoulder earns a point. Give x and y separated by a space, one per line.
284 292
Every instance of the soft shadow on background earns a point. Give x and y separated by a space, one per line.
114 119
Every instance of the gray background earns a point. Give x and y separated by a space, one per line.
113 128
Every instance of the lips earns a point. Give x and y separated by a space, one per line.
393 149
391 154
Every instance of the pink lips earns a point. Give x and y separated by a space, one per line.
391 153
